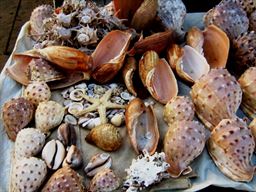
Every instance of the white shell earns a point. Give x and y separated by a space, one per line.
77 94
75 107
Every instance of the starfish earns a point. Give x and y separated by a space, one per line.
101 105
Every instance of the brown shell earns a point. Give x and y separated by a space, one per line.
183 142
247 82
231 146
252 126
141 124
179 108
248 5
216 96
195 39
174 55
128 70
16 114
64 179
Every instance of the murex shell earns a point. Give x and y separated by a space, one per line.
231 146
183 142
216 96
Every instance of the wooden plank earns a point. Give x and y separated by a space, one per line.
8 9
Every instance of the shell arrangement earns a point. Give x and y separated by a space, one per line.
117 66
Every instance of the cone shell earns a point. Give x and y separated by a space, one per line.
183 142
16 114
216 96
141 124
64 179
247 82
128 70
179 108
231 146
106 136
107 62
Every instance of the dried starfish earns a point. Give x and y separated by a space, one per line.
99 104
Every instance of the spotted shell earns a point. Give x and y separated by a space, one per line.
183 142
216 96
231 146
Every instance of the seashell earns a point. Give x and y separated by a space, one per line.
67 134
70 119
126 96
192 66
216 96
247 83
117 119
104 181
174 55
157 42
16 114
252 21
231 146
183 142
128 70
29 142
81 86
248 5
37 92
74 157
28 174
230 17
53 154
179 108
77 94
64 179
106 66
145 14
74 107
216 46
141 124
172 13
106 137
195 39
97 163
91 123
252 126
49 114
38 15
39 69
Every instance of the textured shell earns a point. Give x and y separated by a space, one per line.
104 181
248 5
49 114
231 146
244 51
230 17
64 179
183 142
252 126
106 137
37 18
28 174
41 70
29 142
216 96
178 109
252 20
37 92
16 114
128 70
247 82
172 13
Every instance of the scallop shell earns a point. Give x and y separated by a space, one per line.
231 146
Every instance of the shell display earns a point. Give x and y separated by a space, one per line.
183 142
231 146
216 96
16 114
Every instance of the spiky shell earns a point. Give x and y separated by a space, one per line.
183 142
37 92
49 114
64 179
104 181
42 70
16 114
247 82
230 17
231 146
216 96
179 108
37 18
29 142
28 174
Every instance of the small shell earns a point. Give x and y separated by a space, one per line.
106 137
174 55
117 119
75 107
90 123
70 119
128 73
74 157
252 19
67 134
97 163
195 39
77 94
252 126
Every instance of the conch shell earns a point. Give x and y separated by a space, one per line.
231 146
109 55
141 124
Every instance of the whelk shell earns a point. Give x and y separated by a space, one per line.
107 63
141 124
128 70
